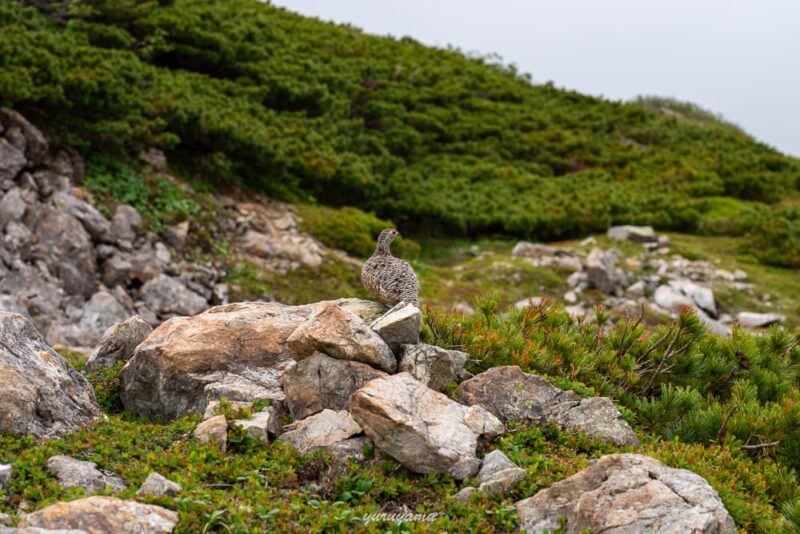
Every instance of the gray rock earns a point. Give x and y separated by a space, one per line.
118 343
98 226
5 476
342 335
421 428
637 234
40 392
349 449
628 493
35 144
125 224
101 313
66 248
671 300
12 207
702 297
10 303
637 289
178 234
525 249
515 396
238 351
72 473
530 302
323 382
213 430
256 427
367 310
603 273
460 359
156 485
320 430
465 494
168 296
97 515
498 473
18 238
12 160
399 326
138 266
759 320
431 365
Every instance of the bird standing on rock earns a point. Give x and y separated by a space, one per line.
388 279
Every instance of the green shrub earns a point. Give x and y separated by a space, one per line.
348 229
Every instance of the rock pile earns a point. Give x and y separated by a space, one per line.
662 284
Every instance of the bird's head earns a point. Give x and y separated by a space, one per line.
386 238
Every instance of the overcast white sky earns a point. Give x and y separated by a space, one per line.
740 58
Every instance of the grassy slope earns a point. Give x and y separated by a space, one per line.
245 93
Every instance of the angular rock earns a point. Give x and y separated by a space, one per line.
118 343
213 430
431 365
460 359
515 396
238 351
320 430
465 494
125 224
12 207
73 473
66 248
399 326
367 310
101 313
342 335
702 297
156 485
671 300
759 320
637 234
421 428
256 427
628 493
603 273
321 382
498 473
102 515
5 475
168 296
12 160
98 226
34 144
40 392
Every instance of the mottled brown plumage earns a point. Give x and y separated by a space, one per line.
388 279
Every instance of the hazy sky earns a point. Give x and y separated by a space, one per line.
740 58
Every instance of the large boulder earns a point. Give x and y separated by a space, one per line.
118 343
323 382
342 335
422 428
73 473
238 351
627 493
102 515
515 396
320 430
41 394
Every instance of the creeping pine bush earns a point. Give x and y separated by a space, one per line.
676 381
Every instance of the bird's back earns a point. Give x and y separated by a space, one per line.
390 280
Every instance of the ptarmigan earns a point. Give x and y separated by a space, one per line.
388 279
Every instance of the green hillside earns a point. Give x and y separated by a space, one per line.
247 94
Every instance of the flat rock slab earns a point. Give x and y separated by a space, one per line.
400 325
103 515
422 428
74 473
628 493
343 335
41 394
237 351
320 430
515 396
321 382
